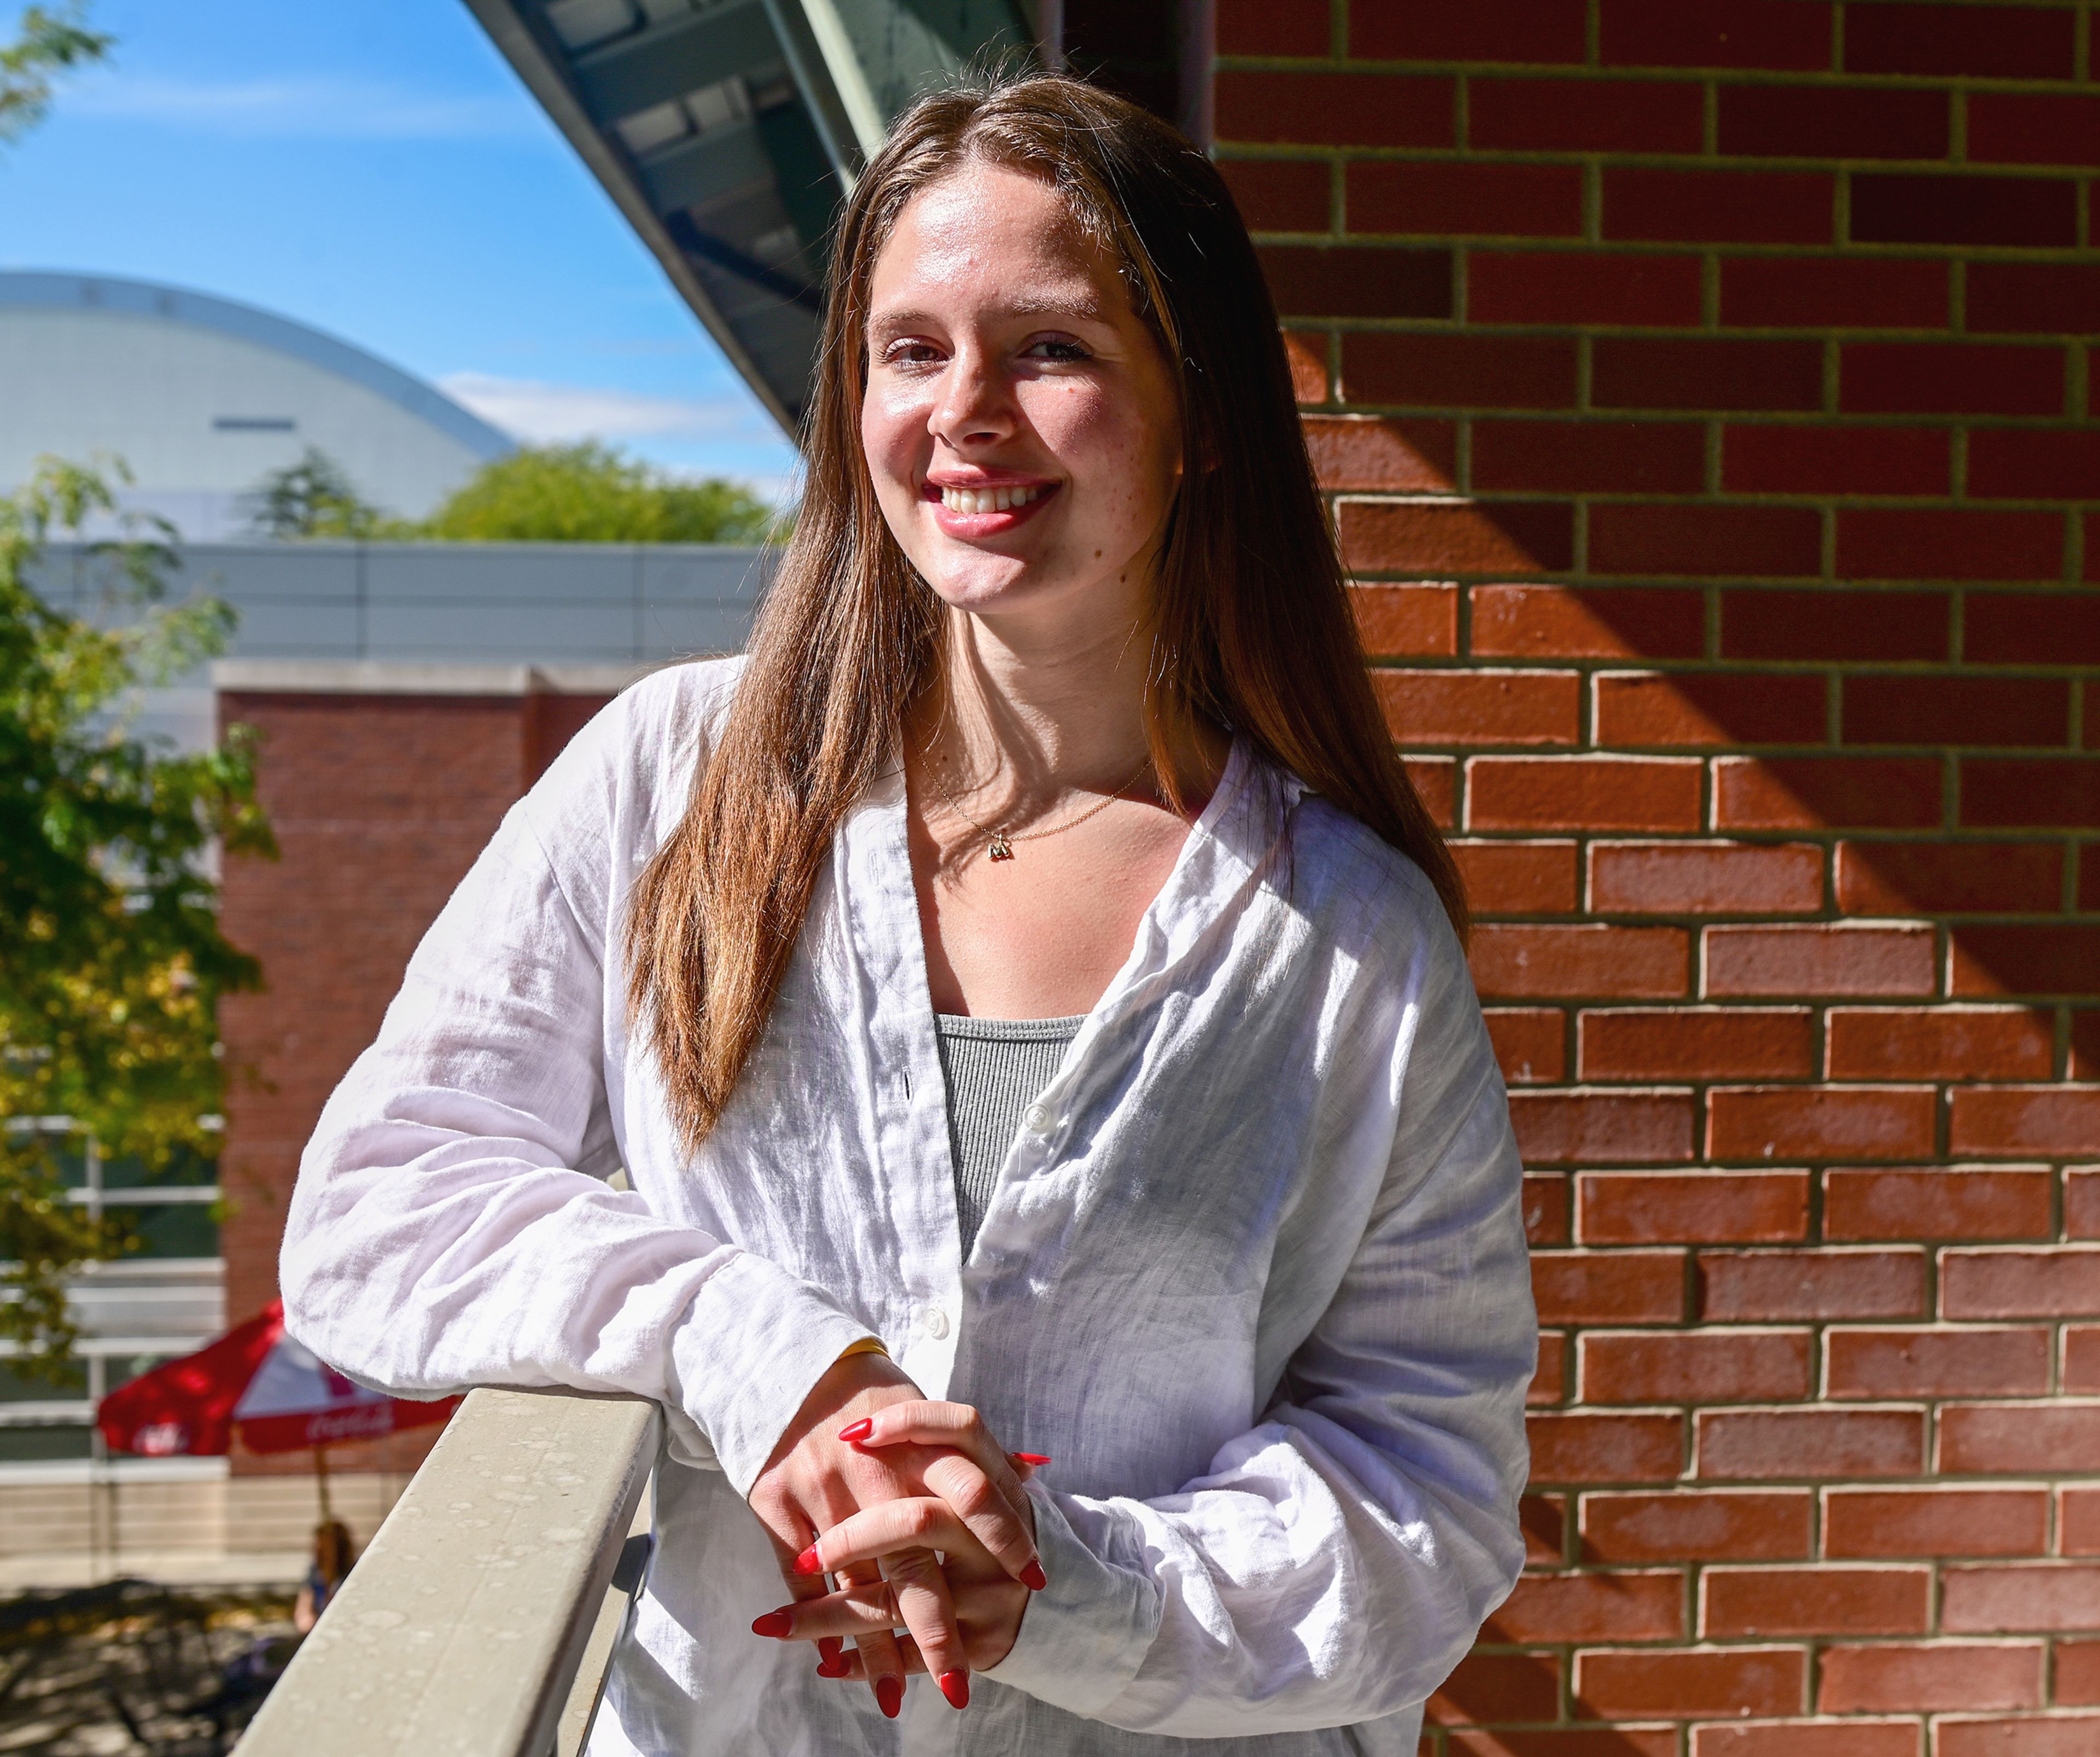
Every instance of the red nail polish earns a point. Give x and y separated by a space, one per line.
1028 1457
890 1695
773 1623
955 1686
832 1649
809 1562
1033 1577
859 1430
833 1668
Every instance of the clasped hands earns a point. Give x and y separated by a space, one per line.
919 1519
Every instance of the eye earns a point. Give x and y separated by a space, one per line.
1062 349
908 351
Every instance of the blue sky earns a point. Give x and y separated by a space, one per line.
374 168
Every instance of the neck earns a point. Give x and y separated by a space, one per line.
1047 700
1040 711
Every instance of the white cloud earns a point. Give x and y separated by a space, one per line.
302 107
549 414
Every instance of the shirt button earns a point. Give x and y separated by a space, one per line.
1038 1118
934 1322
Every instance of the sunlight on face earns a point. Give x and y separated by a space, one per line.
1019 422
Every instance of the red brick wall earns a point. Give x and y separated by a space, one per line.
1705 389
380 804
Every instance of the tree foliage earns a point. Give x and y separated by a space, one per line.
585 494
313 498
591 493
47 42
112 962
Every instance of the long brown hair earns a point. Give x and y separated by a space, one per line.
335 1551
1251 625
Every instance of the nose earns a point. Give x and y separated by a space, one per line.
976 404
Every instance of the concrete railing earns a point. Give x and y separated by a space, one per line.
480 1622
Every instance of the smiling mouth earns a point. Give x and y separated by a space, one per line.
998 500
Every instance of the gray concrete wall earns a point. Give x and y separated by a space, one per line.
531 603
546 604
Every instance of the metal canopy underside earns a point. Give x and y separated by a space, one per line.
728 131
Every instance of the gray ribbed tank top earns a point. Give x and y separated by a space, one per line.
994 1069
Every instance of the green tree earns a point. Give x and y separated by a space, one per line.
314 498
112 962
591 493
47 42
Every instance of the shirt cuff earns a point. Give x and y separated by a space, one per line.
757 1340
1084 1636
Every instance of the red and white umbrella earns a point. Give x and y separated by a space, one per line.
259 1383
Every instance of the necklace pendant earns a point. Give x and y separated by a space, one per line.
1001 849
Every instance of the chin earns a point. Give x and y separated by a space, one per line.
985 583
982 597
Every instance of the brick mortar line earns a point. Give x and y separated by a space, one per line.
1563 243
1640 665
1568 244
1833 502
1710 74
1835 164
1570 579
1858 336
1599 160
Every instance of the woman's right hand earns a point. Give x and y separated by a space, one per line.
990 1604
816 1481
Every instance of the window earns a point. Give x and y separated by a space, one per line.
171 1213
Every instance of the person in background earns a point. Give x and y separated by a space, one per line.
335 1554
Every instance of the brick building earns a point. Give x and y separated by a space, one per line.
1705 390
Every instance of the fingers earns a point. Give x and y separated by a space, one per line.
921 1522
986 1512
917 1594
800 1585
980 1482
876 1657
792 1514
988 1609
921 1592
856 1610
908 1656
958 1426
955 1685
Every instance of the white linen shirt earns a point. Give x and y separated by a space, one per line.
1253 1273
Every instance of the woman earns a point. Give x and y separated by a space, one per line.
334 1556
1028 1000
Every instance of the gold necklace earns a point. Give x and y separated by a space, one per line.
1001 844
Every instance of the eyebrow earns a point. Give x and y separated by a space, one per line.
1087 308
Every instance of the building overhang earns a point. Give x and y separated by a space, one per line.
728 133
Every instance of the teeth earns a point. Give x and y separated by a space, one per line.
988 500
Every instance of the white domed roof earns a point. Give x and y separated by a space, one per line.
201 396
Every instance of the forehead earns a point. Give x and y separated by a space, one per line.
984 231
